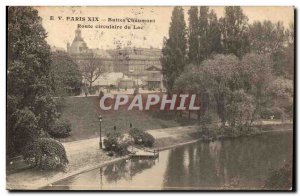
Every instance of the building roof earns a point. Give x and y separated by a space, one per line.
78 45
153 68
100 53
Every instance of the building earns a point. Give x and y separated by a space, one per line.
138 64
135 63
154 78
82 55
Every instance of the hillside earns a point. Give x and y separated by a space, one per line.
82 112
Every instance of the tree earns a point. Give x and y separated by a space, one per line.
193 81
234 28
239 109
266 37
255 76
30 106
203 32
65 74
204 35
92 69
282 93
173 57
193 36
213 34
220 80
289 53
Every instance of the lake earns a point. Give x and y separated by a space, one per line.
242 163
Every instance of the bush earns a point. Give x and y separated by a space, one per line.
60 129
141 137
116 141
45 153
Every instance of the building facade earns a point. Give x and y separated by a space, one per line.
132 62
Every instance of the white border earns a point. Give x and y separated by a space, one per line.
3 4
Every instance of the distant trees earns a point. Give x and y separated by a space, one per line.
174 53
65 74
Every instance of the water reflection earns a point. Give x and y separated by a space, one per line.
239 163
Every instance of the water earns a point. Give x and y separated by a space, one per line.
242 163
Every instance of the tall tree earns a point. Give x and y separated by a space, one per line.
173 57
234 28
193 36
30 107
213 34
203 32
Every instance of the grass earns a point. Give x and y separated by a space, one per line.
82 113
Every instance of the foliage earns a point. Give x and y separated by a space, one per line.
31 108
117 142
45 153
234 28
174 49
141 137
204 35
193 36
220 73
92 69
241 91
65 74
272 38
280 179
281 91
60 129
193 81
266 37
256 76
25 129
239 109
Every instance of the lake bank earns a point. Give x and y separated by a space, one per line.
84 155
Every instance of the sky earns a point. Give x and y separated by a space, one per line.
60 32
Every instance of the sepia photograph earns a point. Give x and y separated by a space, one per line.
150 98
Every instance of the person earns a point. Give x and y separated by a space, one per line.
101 94
136 91
85 90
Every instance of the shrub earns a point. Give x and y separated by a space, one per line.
45 153
116 141
141 137
60 128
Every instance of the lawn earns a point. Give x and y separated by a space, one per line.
82 113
